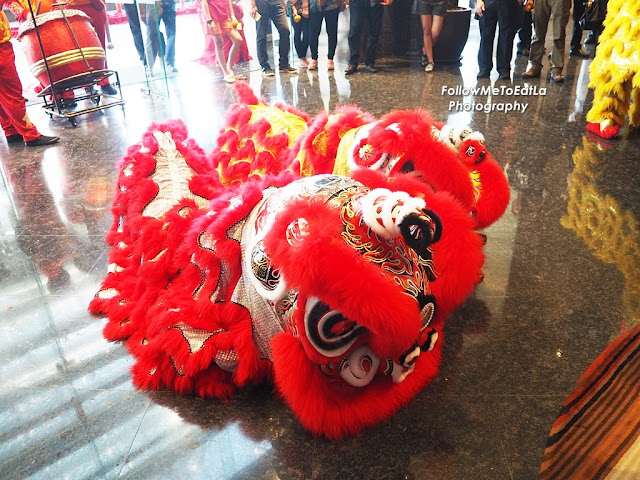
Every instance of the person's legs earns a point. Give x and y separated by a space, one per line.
13 113
487 24
560 10
169 19
152 44
236 45
374 17
331 24
315 26
524 32
436 27
131 11
301 37
427 49
356 19
507 21
279 19
541 16
262 28
99 21
218 42
576 37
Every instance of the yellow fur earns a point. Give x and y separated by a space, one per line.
615 71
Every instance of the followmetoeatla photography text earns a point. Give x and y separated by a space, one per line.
482 100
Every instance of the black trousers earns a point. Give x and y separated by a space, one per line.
301 36
525 30
362 10
504 15
315 27
576 36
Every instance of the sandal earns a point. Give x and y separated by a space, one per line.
240 76
424 61
313 65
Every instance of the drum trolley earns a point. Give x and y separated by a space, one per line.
85 82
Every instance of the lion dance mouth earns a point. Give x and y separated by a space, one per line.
334 288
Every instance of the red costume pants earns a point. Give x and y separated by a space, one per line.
13 113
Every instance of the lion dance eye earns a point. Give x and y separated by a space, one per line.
421 230
328 331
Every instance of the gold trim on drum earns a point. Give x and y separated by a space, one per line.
48 16
64 58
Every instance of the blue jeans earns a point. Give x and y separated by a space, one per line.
156 45
274 11
131 10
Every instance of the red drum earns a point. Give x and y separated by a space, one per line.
63 56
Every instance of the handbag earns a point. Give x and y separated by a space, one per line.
593 16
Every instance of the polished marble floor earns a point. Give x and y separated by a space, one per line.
562 279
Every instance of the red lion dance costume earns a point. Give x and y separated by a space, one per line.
334 287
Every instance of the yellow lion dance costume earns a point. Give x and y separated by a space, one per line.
615 71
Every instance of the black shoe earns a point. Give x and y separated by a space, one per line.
68 103
505 76
351 69
579 52
556 76
289 69
370 69
268 72
14 138
42 140
108 89
483 74
523 53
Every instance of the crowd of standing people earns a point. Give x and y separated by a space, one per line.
509 18
517 16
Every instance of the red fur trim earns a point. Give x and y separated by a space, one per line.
608 132
433 161
337 413
333 129
494 193
245 94
457 256
411 184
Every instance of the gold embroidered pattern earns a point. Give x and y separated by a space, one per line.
172 176
195 337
